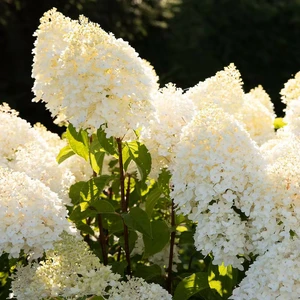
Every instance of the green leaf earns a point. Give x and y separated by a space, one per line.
186 237
140 155
118 267
160 238
84 228
147 272
222 279
164 181
96 155
79 192
191 285
113 223
77 214
102 206
78 141
151 199
132 237
137 219
64 153
108 144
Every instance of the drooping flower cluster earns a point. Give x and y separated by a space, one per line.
89 78
173 110
138 288
70 270
274 275
32 216
33 150
216 173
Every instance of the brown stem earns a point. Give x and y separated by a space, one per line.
124 205
172 242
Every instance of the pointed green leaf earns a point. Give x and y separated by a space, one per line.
152 198
78 141
164 181
64 153
191 285
108 144
140 155
160 238
222 279
85 191
132 237
96 155
79 192
137 219
102 206
147 272
84 228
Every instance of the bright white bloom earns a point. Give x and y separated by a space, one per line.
291 90
274 275
216 173
32 216
138 288
173 110
257 115
14 133
33 150
70 270
89 77
282 210
224 90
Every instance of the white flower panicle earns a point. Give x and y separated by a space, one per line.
274 275
217 168
173 110
14 133
291 90
257 115
33 150
225 90
32 216
138 288
281 207
91 78
70 270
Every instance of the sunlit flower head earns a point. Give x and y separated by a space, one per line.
89 78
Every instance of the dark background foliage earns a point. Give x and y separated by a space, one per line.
185 42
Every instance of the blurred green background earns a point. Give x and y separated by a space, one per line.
185 40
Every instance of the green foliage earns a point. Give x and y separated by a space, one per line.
137 219
137 152
191 285
78 141
160 238
64 153
222 279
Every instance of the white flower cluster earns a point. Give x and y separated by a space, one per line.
216 172
32 216
70 270
89 78
33 150
257 115
274 275
138 288
173 110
